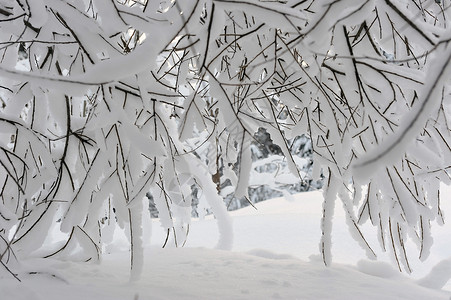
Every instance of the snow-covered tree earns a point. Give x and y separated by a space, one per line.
105 101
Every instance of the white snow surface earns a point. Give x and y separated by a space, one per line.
275 256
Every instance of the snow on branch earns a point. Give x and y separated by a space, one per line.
104 104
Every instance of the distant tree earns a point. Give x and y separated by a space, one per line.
105 101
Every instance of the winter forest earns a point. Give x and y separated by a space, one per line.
135 116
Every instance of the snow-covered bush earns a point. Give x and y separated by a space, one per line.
270 176
105 101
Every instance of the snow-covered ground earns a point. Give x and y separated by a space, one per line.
275 257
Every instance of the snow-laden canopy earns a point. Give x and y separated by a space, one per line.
104 101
